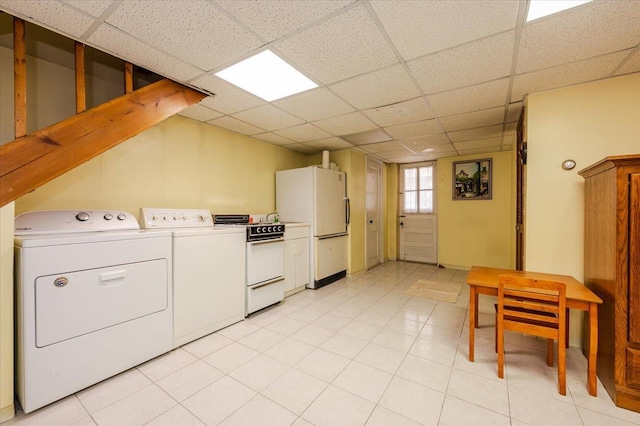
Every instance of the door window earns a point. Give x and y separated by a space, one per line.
417 189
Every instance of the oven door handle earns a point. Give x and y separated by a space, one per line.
275 240
266 283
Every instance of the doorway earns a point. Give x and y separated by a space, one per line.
373 200
417 233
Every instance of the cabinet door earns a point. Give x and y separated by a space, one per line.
302 262
634 259
290 264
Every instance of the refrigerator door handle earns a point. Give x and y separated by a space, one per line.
348 209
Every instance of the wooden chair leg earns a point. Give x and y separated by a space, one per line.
500 343
550 352
562 366
566 329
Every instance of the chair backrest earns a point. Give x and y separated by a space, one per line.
532 306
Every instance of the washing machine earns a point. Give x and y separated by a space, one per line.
93 296
208 271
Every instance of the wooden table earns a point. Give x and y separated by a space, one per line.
483 280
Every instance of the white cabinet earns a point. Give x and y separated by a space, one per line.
296 258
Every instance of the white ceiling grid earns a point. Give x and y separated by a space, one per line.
448 77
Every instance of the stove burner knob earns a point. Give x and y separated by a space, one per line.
200 218
257 229
121 216
264 229
82 216
279 228
108 216
269 229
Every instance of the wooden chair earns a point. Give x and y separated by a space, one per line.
535 307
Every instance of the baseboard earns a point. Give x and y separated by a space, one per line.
7 413
463 268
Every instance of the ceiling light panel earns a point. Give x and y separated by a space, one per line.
541 8
267 76
422 27
347 45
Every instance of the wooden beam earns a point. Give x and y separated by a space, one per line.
128 77
19 79
34 160
81 87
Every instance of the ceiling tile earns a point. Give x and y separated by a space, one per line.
199 113
473 151
406 159
480 143
506 148
510 128
485 117
419 128
632 64
235 125
383 147
378 88
268 117
477 133
272 19
404 152
329 144
228 98
304 149
425 150
208 38
514 111
473 63
423 142
94 8
438 155
473 98
346 124
273 138
509 140
347 45
400 113
57 16
303 133
121 45
566 75
367 137
590 30
314 104
425 26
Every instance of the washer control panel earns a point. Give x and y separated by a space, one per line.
72 221
151 218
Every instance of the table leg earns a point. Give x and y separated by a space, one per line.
473 320
592 382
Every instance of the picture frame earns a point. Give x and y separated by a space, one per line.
472 180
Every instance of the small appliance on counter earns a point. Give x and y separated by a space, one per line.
265 260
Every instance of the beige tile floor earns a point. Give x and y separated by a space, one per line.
359 351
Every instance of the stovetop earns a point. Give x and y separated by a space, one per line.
255 231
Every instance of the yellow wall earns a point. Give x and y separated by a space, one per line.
6 312
477 232
585 123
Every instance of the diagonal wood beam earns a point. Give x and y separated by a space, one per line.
31 161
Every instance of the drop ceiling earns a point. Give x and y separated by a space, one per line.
404 81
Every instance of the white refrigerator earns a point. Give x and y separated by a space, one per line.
319 197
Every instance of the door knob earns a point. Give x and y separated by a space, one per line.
371 221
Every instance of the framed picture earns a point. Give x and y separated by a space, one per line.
472 179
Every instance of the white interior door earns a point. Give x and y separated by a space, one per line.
417 222
373 236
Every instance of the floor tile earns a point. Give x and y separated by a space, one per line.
286 326
207 345
322 305
338 407
427 373
264 318
295 390
458 412
364 381
344 345
177 416
346 311
374 318
191 379
494 395
440 335
239 330
230 357
593 418
87 421
382 358
383 417
601 404
65 411
331 322
360 330
313 335
111 390
308 314
137 409
262 339
413 401
166 364
405 326
290 351
260 411
228 394
394 340
433 351
323 364
260 372
534 409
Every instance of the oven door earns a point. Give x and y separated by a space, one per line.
265 261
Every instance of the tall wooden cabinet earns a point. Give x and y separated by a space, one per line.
612 271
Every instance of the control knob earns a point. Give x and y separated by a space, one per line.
121 216
108 216
82 216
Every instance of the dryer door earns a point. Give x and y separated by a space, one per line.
70 304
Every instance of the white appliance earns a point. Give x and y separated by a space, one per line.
265 260
318 196
208 271
93 299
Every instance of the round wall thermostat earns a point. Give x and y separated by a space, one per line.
568 164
